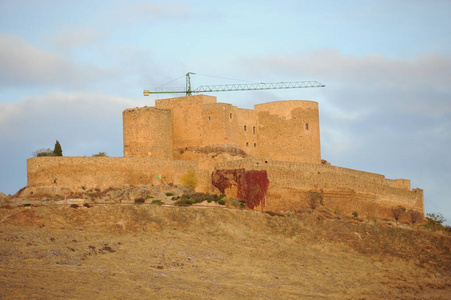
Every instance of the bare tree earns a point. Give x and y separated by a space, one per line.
397 212
415 216
314 199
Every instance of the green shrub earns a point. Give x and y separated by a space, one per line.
43 152
355 214
184 202
100 154
169 194
221 202
158 202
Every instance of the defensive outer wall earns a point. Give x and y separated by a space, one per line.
281 137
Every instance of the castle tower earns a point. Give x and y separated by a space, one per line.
288 131
147 132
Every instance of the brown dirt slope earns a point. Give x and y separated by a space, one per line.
147 251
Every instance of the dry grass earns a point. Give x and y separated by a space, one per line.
149 251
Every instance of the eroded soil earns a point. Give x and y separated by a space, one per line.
153 252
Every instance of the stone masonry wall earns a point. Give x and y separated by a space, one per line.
288 131
187 121
147 132
103 172
345 190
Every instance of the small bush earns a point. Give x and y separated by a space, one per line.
74 205
86 205
237 203
43 152
169 194
314 199
140 201
355 214
221 202
158 202
184 202
149 197
189 199
190 181
100 154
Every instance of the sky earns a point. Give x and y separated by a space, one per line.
69 69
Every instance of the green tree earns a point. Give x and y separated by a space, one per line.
58 151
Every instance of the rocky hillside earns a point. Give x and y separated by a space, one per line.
135 251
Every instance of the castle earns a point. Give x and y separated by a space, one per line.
196 133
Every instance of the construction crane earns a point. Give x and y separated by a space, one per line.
233 87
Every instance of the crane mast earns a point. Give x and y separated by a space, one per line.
234 87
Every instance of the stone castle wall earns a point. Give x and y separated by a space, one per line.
147 132
280 130
103 172
289 131
343 189
197 133
187 119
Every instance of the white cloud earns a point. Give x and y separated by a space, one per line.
376 70
26 65
74 37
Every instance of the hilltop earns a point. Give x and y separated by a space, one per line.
142 251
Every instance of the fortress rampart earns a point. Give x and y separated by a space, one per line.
103 172
346 189
198 134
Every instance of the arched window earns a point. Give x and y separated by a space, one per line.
245 128
253 129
